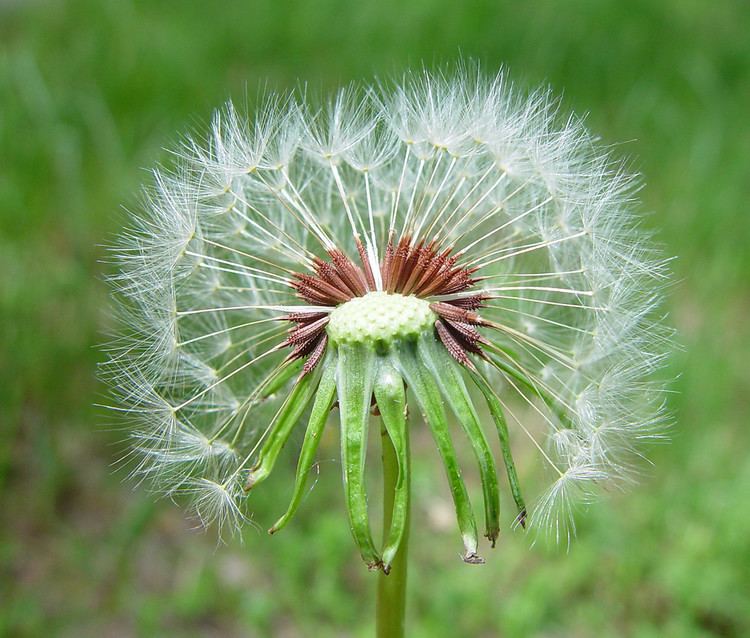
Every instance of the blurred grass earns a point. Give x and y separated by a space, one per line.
91 91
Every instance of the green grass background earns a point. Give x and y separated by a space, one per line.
91 92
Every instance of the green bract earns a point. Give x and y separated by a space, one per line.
371 376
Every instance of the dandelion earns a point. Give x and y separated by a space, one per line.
444 243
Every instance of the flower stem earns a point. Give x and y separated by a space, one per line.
391 601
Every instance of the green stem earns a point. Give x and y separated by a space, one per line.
391 602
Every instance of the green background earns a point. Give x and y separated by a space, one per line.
91 93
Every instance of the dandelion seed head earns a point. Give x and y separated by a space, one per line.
506 219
